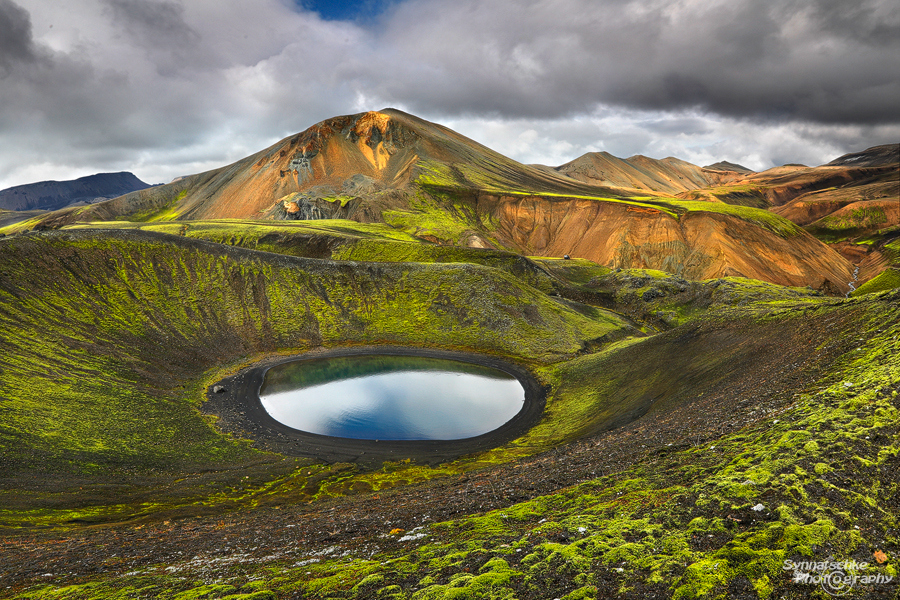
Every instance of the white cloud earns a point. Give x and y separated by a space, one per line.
695 137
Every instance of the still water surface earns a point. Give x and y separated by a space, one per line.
374 397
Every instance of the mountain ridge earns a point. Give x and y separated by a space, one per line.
668 175
52 195
437 185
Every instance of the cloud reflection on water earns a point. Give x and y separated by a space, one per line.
403 405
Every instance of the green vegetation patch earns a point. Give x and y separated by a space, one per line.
765 219
20 226
888 279
166 212
444 215
713 519
261 235
340 240
660 300
849 224
111 337
860 218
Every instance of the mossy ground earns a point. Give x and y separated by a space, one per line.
849 226
338 239
445 215
110 339
814 477
765 219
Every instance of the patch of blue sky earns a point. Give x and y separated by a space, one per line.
346 10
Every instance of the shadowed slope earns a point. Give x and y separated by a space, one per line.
50 195
876 156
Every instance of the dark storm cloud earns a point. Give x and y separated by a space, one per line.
40 87
154 22
102 85
159 27
868 22
62 100
16 44
825 61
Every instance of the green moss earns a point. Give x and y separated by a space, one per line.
888 279
342 200
446 216
21 226
659 300
258 595
136 326
340 240
162 588
575 270
857 219
270 236
763 218
684 521
168 211
493 582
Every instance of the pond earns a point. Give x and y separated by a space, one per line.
386 397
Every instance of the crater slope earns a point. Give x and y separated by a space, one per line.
110 338
658 446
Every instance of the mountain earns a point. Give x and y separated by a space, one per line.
876 156
848 198
669 175
724 165
432 183
52 195
325 171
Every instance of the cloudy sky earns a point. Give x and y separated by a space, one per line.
165 88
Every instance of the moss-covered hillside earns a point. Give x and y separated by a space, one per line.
109 337
696 434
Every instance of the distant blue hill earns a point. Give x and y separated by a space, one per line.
52 195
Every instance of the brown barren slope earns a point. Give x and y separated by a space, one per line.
780 185
806 194
697 245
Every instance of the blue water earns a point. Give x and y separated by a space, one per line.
375 397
